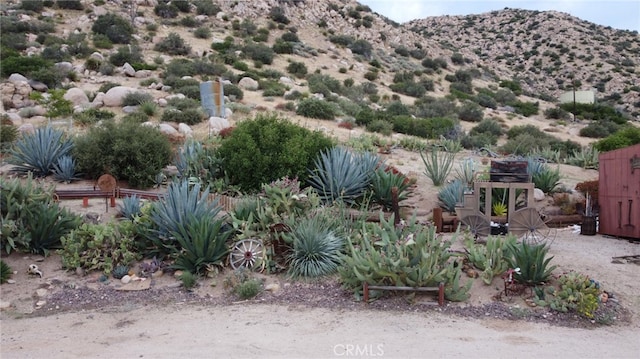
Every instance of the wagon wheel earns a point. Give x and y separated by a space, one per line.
247 253
478 225
527 224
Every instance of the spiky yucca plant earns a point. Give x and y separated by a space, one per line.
5 272
202 241
47 224
382 184
183 201
438 165
532 261
341 175
38 152
316 248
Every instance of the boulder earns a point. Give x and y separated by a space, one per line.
17 77
64 66
248 83
38 86
114 96
128 70
538 195
185 129
167 129
76 96
217 124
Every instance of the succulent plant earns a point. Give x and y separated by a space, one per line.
5 272
450 195
438 165
120 271
316 248
130 207
64 170
39 152
341 175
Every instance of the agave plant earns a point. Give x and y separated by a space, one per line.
587 157
130 207
316 248
451 194
342 176
64 170
438 165
466 172
202 241
532 261
47 224
382 185
547 180
181 202
40 151
5 272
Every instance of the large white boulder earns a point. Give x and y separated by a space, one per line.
76 96
217 124
248 83
113 97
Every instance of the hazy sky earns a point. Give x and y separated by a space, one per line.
619 14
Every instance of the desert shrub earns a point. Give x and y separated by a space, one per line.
525 108
470 112
290 37
100 247
166 10
298 69
190 116
206 7
267 148
189 21
556 113
233 91
488 125
8 134
25 65
183 103
485 100
115 28
69 4
627 136
192 91
282 47
277 14
272 88
32 5
38 152
595 112
323 84
173 44
343 40
180 67
5 272
380 126
259 52
599 129
136 98
316 108
361 47
124 54
128 151
202 32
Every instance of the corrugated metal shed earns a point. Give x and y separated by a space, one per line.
619 192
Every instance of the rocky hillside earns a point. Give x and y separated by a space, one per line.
541 53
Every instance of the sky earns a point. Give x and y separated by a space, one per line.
619 14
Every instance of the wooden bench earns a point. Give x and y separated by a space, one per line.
84 194
440 289
126 192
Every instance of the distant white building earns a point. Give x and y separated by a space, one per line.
580 97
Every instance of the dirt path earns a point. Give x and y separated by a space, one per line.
252 331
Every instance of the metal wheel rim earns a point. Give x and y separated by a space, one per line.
247 253
478 225
527 224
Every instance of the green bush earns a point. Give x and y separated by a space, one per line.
100 247
298 69
206 7
316 108
234 91
627 136
69 4
136 98
115 28
202 32
361 47
259 52
128 151
277 14
25 65
323 84
190 116
130 54
470 112
380 126
173 44
166 10
5 272
599 129
282 47
267 148
525 108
